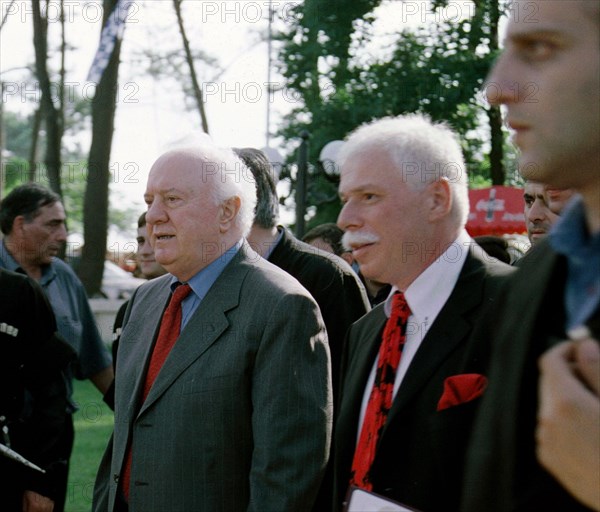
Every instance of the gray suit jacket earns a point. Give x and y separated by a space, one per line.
239 417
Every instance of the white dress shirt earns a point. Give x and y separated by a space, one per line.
426 297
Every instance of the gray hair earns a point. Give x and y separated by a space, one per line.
422 151
230 177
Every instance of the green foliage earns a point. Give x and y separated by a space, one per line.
93 426
437 69
74 170
17 133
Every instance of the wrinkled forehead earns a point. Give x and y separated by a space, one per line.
181 170
175 162
54 211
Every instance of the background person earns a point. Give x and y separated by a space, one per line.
33 396
539 218
32 219
328 237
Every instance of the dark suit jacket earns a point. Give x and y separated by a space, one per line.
502 470
33 395
239 417
420 455
337 289
341 296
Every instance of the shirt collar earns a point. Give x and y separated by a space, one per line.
428 293
280 233
570 236
205 278
9 263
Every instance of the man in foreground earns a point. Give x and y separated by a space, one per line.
556 293
224 404
409 391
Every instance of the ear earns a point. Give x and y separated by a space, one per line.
18 224
228 212
439 199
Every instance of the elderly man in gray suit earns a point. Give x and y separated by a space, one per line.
223 401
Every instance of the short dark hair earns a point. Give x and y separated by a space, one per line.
25 200
495 246
142 220
266 213
330 233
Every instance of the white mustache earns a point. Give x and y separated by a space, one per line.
356 238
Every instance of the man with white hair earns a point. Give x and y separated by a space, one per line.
410 374
224 404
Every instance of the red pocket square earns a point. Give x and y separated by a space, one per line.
460 389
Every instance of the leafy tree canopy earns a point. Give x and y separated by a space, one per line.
437 69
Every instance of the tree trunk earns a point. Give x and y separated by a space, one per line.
95 208
35 135
190 61
51 114
497 169
497 146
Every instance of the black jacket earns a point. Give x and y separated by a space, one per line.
33 396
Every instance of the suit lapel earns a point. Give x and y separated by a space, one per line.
141 327
207 324
363 346
364 351
448 332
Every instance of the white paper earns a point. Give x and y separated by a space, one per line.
364 501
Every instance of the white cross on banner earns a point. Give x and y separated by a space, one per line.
113 30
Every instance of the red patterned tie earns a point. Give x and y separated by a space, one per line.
168 333
380 400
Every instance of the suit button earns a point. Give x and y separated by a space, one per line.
116 478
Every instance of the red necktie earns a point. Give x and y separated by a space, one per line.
380 400
168 333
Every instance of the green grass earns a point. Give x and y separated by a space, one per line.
93 426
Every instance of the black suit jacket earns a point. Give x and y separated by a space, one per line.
502 470
333 284
420 455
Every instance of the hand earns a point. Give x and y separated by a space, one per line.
568 431
34 502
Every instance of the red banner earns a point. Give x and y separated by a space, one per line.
496 211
